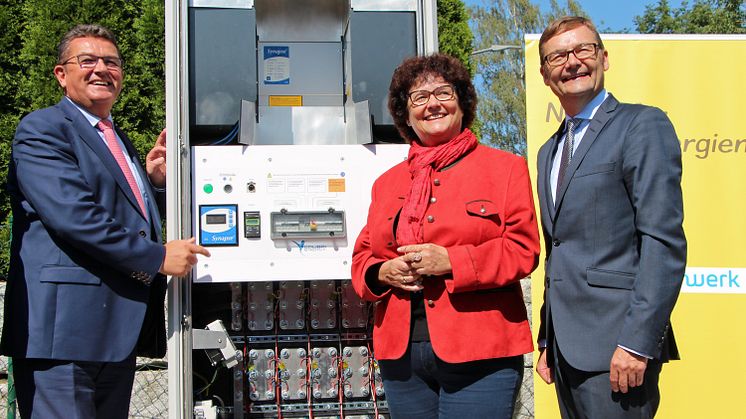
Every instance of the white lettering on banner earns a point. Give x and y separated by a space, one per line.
714 281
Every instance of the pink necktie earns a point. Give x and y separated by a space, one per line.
111 140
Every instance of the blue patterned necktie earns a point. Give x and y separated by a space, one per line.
567 150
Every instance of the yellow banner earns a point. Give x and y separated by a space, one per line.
699 81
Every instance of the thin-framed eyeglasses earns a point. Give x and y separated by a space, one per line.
87 61
581 52
442 93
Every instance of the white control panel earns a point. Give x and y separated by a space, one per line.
283 212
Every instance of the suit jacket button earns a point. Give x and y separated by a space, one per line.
555 242
430 219
433 200
142 233
436 182
430 303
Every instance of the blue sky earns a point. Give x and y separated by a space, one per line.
614 15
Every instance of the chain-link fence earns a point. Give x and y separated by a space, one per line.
150 389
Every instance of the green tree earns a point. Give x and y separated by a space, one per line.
10 44
501 75
454 35
703 16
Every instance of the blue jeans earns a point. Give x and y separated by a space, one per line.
420 385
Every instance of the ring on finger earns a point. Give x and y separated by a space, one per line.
417 257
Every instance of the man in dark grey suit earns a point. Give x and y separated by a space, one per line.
609 185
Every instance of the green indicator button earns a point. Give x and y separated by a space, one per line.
207 188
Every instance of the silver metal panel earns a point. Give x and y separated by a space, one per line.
361 127
384 5
300 125
428 18
260 306
309 20
314 69
225 4
356 361
291 306
247 123
178 215
323 305
324 373
261 366
384 39
222 65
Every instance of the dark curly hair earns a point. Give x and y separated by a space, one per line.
416 69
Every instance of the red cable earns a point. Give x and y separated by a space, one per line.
340 386
372 376
309 387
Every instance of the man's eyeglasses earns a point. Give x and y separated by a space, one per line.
442 93
91 61
581 52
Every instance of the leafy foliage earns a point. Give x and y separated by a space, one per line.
704 16
454 35
502 87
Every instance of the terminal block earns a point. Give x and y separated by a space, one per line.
260 306
291 305
323 305
354 310
356 372
261 374
236 306
324 373
292 372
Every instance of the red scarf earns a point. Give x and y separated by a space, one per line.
423 161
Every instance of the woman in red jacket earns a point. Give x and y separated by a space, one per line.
450 233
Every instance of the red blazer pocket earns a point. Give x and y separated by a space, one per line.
483 208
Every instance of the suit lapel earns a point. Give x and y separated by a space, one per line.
90 136
602 116
545 179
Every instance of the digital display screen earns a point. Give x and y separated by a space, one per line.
215 218
252 221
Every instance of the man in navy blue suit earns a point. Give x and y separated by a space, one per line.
87 282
